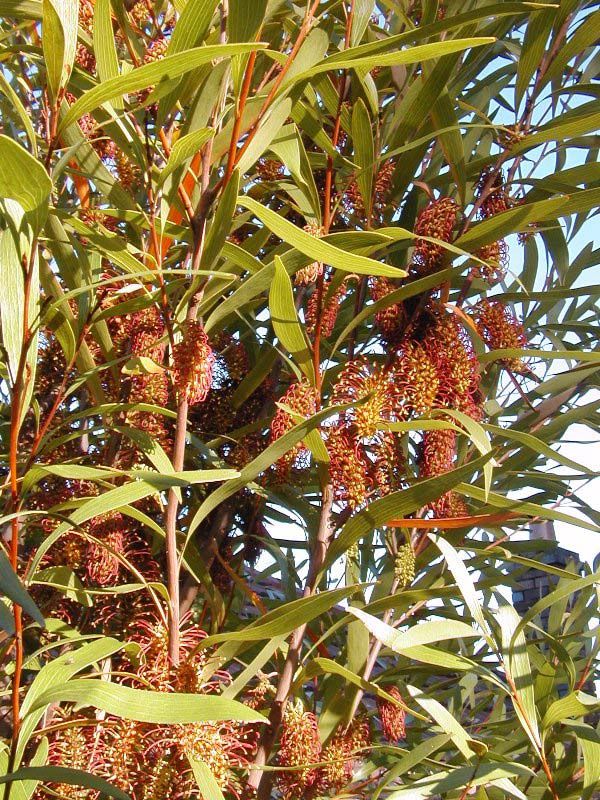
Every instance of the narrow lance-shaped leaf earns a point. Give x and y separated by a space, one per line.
364 153
59 41
172 66
146 706
66 775
285 321
11 587
319 249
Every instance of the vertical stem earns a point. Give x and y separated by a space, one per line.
258 780
18 393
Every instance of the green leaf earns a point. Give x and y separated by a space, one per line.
55 674
444 783
525 508
349 58
221 224
589 741
107 64
364 153
122 496
209 788
575 704
245 19
325 666
518 668
318 249
536 444
17 107
426 632
268 129
284 618
16 251
465 583
363 9
549 355
72 777
533 49
397 504
185 148
170 67
555 596
192 25
65 580
412 759
26 9
24 179
145 706
467 746
59 41
285 321
479 438
268 457
11 587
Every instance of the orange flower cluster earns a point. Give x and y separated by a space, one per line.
501 330
390 320
437 456
300 747
414 381
495 255
193 360
302 400
329 308
437 220
349 468
343 754
152 762
369 390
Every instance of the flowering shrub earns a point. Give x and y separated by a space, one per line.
288 294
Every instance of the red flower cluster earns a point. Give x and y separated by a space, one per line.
437 220
392 319
392 716
501 330
302 400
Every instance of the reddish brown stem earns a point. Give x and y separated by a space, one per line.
235 135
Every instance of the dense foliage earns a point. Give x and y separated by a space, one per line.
296 311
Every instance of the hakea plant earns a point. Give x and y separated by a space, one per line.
277 389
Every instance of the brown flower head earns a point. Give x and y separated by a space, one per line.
302 400
328 307
437 220
299 746
495 255
193 360
101 559
501 330
437 452
390 320
451 350
413 381
492 193
348 468
269 169
389 463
